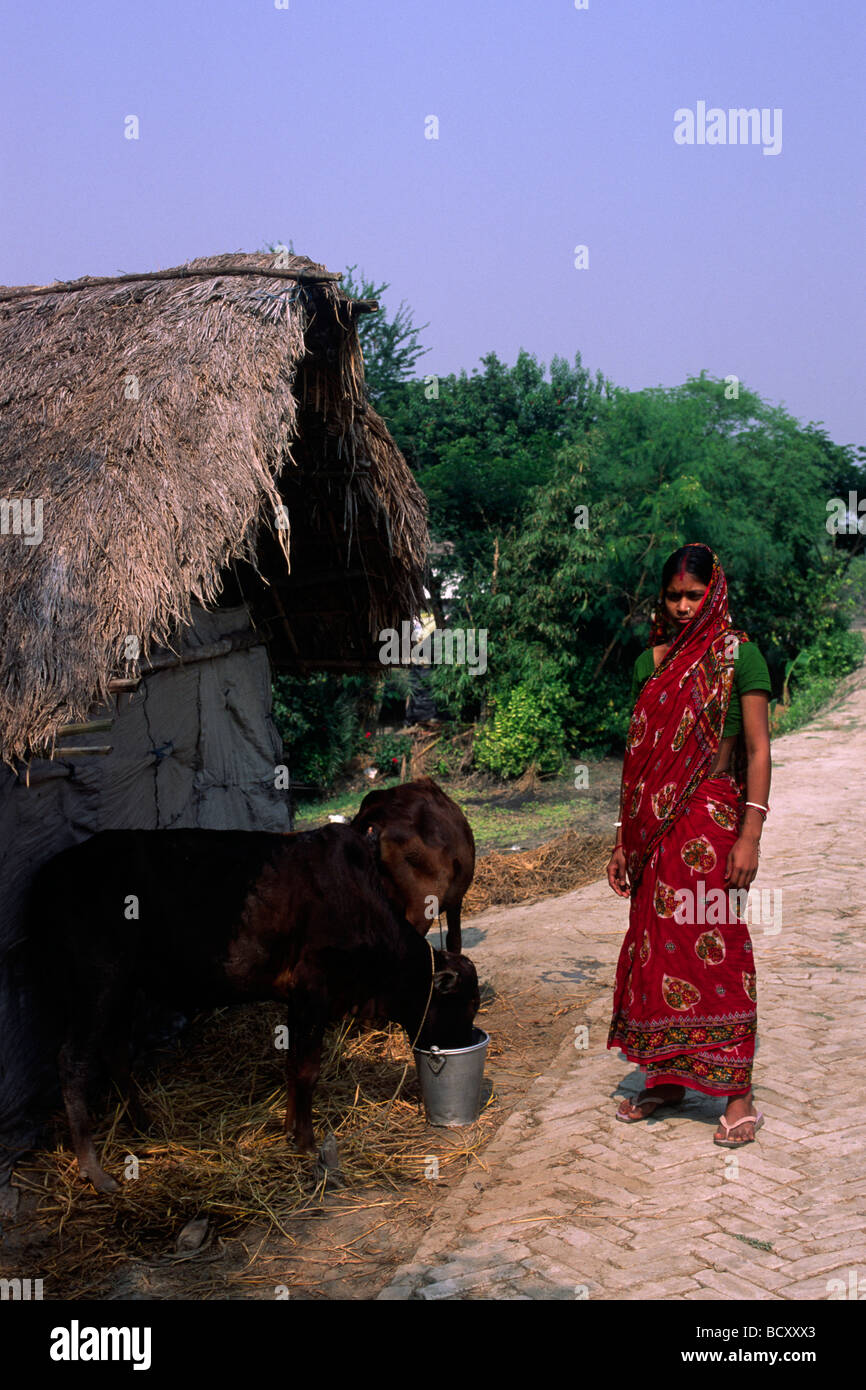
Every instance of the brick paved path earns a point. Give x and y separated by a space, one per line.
576 1204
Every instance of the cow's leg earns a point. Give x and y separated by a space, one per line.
454 939
120 1076
76 1064
308 1074
97 1035
303 1064
291 1073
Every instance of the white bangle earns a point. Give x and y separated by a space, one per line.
758 807
617 822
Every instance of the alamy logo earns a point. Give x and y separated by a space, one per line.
454 647
739 125
720 907
856 1288
77 1343
21 516
846 518
20 1290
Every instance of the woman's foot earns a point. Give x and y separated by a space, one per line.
649 1101
738 1108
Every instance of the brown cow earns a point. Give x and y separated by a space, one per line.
426 849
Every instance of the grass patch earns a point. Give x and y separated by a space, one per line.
815 677
500 815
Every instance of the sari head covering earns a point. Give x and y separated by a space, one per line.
677 722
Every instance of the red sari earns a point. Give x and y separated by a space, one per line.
684 1001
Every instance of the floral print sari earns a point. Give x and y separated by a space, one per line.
684 1002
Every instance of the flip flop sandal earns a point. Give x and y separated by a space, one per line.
726 1143
636 1119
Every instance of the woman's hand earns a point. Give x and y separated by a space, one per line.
616 874
742 863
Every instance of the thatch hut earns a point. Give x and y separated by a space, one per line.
193 492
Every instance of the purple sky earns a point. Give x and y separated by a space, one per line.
555 128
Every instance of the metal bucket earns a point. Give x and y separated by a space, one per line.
451 1081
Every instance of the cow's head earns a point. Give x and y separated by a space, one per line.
453 1004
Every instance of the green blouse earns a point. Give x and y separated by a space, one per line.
750 673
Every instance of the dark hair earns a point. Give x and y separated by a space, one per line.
692 559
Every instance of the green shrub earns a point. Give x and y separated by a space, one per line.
813 675
387 751
834 654
526 727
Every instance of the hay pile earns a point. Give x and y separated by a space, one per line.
563 864
215 1148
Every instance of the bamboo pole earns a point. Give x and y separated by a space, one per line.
90 282
96 726
63 753
232 642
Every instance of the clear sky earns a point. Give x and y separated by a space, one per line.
555 129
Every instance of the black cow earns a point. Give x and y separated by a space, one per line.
199 918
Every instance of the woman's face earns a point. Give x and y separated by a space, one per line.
682 599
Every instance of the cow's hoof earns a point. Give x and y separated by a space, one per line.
327 1165
101 1181
192 1237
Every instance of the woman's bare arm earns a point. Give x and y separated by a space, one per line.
742 864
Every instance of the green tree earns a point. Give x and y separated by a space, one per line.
571 603
390 344
480 443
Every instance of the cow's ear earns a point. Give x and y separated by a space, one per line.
445 981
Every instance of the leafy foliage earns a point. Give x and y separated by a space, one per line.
320 719
574 590
390 345
814 674
387 751
480 443
526 727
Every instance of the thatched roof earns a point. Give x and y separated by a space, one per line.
167 424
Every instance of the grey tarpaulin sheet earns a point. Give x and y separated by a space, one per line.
193 746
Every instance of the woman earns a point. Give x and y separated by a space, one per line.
689 827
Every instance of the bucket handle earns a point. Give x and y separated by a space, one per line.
436 1061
